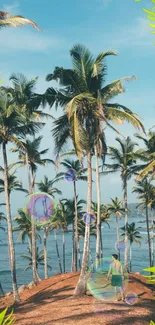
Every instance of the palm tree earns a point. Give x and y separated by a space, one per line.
34 157
46 186
115 208
146 154
13 184
79 171
87 110
7 20
28 102
39 259
124 162
13 125
133 236
70 212
105 218
24 227
144 190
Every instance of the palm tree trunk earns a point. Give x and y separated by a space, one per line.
152 241
117 232
57 250
126 222
73 247
130 256
80 289
63 250
91 257
148 231
10 232
36 277
98 226
45 254
79 254
76 227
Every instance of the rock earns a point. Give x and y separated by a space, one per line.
8 294
31 285
22 288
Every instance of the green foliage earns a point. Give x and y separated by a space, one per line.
150 15
152 323
151 278
6 320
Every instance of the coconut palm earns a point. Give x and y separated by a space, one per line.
105 218
88 108
47 186
8 20
79 171
70 208
13 125
147 154
124 162
24 227
34 157
39 259
133 236
116 209
144 190
13 184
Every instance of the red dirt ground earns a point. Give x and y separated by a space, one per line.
51 303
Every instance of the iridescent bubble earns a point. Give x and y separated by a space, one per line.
70 175
40 208
131 298
120 246
89 218
102 287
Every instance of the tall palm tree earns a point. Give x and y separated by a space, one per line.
13 125
7 20
24 227
13 184
85 101
28 102
70 208
116 209
144 190
79 171
47 186
34 157
147 154
133 236
124 162
39 259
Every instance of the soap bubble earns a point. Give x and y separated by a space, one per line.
70 175
89 218
120 246
131 298
102 288
40 208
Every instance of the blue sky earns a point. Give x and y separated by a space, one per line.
100 25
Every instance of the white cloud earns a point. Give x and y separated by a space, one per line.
27 40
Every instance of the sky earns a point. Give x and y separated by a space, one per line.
100 25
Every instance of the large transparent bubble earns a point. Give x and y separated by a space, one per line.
102 287
40 208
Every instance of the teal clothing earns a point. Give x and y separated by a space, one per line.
116 281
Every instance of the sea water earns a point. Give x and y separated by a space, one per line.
140 257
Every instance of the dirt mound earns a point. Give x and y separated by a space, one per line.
51 303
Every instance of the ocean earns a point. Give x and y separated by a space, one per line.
140 253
